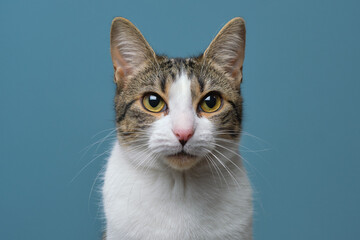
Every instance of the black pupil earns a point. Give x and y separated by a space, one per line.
154 100
210 101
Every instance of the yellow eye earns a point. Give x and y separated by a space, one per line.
153 103
210 103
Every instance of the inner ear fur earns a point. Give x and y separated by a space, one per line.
129 49
227 49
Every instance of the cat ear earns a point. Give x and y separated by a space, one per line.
129 49
227 50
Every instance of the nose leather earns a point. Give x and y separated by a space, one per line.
183 135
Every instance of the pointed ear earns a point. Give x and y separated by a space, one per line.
129 49
227 50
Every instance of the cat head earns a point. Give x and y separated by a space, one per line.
172 111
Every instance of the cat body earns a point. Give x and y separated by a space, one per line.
175 171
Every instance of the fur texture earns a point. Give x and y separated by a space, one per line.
177 173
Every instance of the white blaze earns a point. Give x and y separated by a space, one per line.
180 104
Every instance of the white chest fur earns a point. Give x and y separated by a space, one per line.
169 204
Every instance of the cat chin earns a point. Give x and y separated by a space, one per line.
181 161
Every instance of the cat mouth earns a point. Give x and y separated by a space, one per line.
181 160
181 154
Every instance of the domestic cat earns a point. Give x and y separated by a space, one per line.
175 171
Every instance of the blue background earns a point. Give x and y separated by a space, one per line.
301 89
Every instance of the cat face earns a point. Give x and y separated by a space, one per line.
176 112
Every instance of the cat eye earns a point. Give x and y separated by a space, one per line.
210 103
153 102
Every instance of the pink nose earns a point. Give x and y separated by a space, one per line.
183 135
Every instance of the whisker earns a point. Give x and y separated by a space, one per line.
254 151
219 169
101 132
86 149
241 170
214 165
83 168
243 158
144 160
253 136
109 134
138 140
242 146
219 145
227 169
94 182
154 158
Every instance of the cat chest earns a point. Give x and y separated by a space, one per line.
170 216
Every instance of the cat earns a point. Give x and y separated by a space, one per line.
175 171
